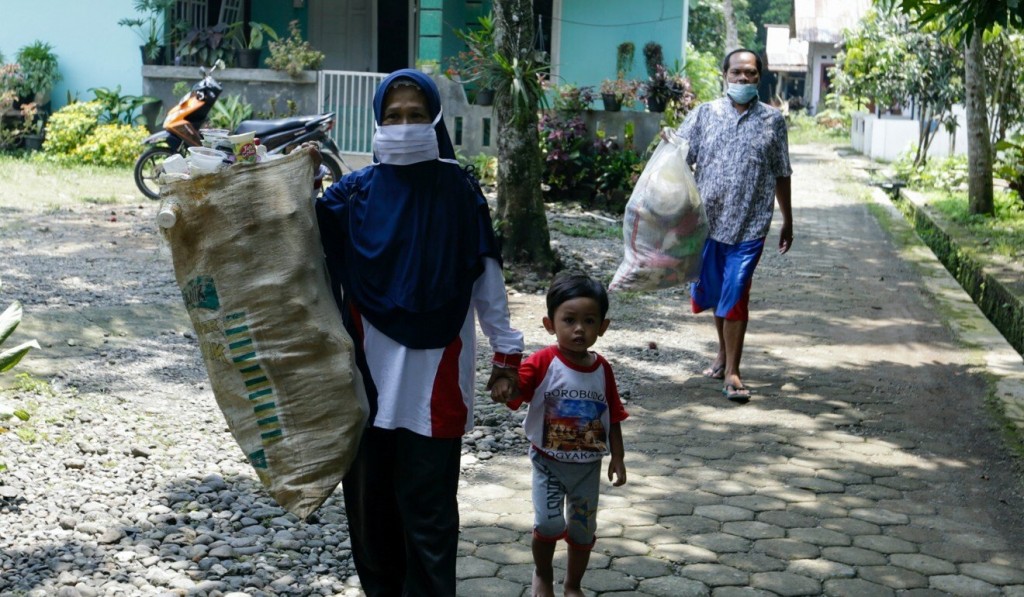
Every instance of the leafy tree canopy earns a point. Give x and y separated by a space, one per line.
707 26
963 16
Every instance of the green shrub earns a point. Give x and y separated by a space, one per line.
1009 164
292 54
73 136
111 145
938 173
68 127
229 112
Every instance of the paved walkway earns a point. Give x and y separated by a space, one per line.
866 464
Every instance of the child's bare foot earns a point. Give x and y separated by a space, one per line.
569 592
543 588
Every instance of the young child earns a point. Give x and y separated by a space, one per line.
572 423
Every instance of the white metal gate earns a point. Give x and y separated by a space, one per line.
349 95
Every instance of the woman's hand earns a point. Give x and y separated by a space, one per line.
503 384
314 151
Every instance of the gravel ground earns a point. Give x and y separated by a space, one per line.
125 480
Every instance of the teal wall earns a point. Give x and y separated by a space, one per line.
591 30
459 14
92 49
278 14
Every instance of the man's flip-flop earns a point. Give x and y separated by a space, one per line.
736 393
714 372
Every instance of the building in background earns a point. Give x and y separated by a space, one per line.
786 57
820 23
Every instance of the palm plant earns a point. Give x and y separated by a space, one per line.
9 321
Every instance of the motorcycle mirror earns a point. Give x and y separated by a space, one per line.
218 65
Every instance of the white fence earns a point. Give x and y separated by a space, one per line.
349 95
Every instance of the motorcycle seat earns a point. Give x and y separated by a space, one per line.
270 127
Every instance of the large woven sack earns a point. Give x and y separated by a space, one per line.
665 225
248 259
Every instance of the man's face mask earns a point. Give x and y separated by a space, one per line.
741 93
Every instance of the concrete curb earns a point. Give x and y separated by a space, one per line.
966 316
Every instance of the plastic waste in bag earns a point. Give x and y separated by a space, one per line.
248 259
664 226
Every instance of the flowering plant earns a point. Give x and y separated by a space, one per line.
624 90
661 86
32 119
475 62
572 100
11 81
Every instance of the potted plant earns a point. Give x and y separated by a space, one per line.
247 52
661 87
624 58
653 57
205 45
11 81
148 28
427 67
618 92
32 129
39 71
292 54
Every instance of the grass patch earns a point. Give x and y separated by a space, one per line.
31 180
101 200
803 131
26 383
1004 231
27 434
586 231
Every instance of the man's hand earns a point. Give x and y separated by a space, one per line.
503 384
785 238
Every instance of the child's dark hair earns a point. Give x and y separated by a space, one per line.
570 285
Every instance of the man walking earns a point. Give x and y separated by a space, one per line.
740 152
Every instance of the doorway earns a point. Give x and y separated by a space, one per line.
344 31
361 35
393 19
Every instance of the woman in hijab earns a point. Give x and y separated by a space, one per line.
413 261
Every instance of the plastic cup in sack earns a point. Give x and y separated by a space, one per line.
203 160
175 164
244 147
211 137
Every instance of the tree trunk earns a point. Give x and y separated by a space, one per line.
732 40
521 224
979 149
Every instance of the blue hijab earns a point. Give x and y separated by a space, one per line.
406 243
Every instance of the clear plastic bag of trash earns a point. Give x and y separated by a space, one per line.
665 225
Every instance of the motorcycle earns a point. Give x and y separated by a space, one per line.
279 136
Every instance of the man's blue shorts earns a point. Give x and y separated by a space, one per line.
725 276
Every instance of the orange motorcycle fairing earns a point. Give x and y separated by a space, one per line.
177 121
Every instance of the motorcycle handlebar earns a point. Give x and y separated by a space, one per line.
219 64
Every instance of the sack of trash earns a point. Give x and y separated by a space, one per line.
247 257
665 226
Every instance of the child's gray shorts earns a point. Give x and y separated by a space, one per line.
565 490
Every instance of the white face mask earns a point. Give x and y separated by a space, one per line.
404 144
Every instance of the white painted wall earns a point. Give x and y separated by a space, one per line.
887 137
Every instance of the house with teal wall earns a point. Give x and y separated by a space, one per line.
356 35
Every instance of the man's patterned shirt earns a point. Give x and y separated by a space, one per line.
737 159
